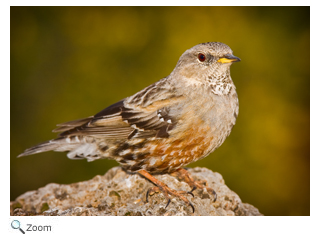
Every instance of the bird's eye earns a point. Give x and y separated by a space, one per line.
201 57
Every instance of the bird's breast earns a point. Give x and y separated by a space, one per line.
201 128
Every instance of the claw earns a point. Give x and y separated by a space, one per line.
215 195
168 203
190 192
194 188
147 195
192 207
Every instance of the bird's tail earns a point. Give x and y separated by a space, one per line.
58 145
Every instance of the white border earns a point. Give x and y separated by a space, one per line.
163 225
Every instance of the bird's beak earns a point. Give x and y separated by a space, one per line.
228 58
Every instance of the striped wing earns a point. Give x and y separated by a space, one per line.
134 117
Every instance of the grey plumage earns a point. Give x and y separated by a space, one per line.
139 131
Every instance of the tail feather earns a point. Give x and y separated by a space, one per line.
78 148
59 145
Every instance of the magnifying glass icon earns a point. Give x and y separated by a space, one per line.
15 224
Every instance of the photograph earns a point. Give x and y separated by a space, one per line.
159 111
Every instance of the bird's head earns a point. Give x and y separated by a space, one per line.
206 62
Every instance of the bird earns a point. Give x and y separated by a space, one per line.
164 127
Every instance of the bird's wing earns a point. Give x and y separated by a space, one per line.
145 114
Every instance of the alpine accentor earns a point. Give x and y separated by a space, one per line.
164 127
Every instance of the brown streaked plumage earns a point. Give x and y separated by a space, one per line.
164 127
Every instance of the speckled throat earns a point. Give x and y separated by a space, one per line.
220 84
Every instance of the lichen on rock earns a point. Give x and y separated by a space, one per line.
120 193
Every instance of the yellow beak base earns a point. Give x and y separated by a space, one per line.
229 59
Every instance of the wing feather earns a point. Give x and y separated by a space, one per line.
140 116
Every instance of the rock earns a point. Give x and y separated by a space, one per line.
120 193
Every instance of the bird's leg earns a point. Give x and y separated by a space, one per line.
184 175
161 187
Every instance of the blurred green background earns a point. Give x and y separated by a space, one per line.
71 62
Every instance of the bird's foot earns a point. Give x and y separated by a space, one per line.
163 188
184 175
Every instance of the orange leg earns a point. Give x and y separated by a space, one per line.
161 187
184 175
